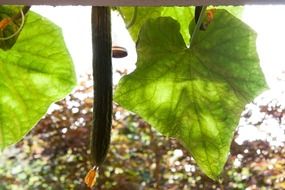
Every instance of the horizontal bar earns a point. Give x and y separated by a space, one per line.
141 2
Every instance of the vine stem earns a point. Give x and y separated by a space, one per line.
134 17
25 9
198 25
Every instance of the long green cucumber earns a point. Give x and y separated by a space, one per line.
102 77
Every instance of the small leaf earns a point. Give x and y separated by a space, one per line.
195 94
35 72
182 14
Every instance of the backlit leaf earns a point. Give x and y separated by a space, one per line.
35 72
195 94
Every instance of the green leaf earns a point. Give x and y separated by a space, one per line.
35 72
195 94
136 17
183 15
140 15
234 10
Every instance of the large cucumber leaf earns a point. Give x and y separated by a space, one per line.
195 94
35 72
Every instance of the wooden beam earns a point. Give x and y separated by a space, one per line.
141 2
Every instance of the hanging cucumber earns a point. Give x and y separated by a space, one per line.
102 77
103 51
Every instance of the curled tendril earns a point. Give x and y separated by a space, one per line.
19 29
133 19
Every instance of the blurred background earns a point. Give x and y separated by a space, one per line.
55 155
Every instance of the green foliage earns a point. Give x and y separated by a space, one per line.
194 94
140 15
35 72
136 17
